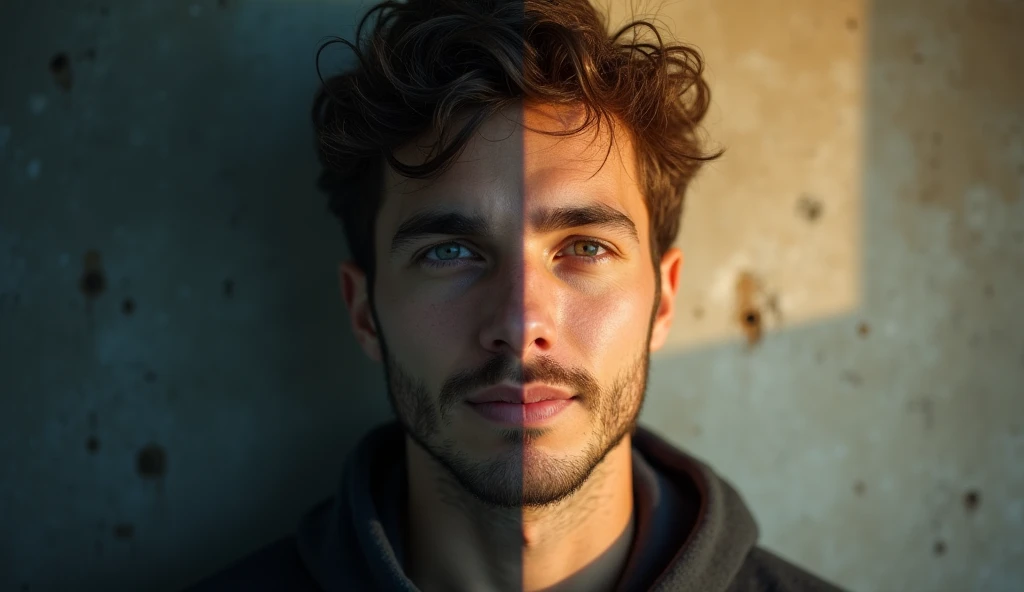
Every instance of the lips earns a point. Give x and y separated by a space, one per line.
521 396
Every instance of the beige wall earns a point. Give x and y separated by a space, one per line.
870 210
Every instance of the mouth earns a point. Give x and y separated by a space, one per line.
532 406
526 395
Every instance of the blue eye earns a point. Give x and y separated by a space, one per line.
448 254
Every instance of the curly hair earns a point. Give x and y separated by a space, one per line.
427 62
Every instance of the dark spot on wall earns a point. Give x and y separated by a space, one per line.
939 548
92 444
93 281
89 54
60 67
853 378
851 24
859 488
229 288
926 407
125 530
809 207
971 500
863 329
128 306
222 3
104 11
149 376
751 322
989 291
749 315
698 313
917 58
151 462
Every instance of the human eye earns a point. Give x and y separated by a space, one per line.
448 255
589 254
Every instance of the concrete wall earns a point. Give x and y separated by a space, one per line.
178 378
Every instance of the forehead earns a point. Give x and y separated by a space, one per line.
507 171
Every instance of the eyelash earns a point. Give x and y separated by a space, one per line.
440 264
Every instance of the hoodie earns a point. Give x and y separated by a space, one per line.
693 532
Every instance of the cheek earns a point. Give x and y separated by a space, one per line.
609 325
422 332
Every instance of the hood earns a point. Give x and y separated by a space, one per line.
355 540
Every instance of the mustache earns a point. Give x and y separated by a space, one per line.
503 368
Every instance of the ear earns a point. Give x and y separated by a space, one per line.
671 266
354 292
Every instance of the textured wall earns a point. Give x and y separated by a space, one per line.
179 382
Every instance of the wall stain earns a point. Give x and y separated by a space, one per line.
60 68
128 306
863 329
229 288
851 24
972 499
149 376
853 378
939 548
751 300
92 444
93 282
859 488
151 462
926 407
809 207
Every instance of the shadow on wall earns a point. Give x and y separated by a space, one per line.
180 382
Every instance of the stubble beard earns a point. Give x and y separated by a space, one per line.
521 476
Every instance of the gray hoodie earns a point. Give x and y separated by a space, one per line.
693 532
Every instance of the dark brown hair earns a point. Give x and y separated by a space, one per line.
427 62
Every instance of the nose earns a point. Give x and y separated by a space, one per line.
522 320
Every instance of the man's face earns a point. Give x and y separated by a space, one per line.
504 292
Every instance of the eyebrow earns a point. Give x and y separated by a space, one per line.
543 221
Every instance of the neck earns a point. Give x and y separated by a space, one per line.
458 543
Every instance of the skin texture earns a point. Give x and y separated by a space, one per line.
493 507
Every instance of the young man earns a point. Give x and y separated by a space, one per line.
511 179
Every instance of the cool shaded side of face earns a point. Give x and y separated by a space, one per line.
534 267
